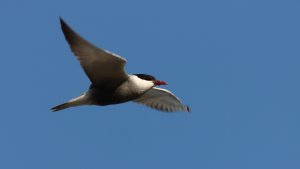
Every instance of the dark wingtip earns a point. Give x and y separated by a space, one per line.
188 109
69 34
62 22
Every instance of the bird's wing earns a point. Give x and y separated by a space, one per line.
103 68
162 99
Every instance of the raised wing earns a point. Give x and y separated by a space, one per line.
163 100
103 68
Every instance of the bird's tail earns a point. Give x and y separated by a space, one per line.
78 101
60 107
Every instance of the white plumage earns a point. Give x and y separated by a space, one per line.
110 82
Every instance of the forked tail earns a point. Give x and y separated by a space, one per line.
60 107
78 101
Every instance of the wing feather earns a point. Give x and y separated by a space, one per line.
163 100
102 67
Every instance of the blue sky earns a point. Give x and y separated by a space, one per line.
235 63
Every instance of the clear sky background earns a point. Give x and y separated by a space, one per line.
235 63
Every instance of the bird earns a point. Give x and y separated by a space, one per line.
110 84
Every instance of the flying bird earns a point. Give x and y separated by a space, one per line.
110 84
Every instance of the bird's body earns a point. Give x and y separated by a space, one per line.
129 90
110 83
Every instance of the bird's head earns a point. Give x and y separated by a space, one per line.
151 78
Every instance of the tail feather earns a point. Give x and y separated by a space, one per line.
60 107
83 99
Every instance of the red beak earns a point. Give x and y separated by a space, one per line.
158 82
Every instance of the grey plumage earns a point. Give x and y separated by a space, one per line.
110 84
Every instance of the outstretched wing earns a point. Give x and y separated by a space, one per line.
163 100
103 68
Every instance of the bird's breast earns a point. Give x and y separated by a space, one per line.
132 88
